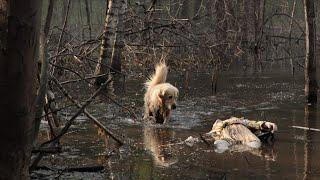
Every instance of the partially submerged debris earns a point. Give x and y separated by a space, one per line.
237 131
190 141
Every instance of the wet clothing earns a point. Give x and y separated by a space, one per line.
240 131
252 125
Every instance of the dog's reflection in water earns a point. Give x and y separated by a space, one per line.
157 142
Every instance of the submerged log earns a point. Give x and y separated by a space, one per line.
96 168
84 169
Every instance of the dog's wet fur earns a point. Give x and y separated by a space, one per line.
160 97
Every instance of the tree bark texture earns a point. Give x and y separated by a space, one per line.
88 17
119 38
44 69
19 40
311 86
107 43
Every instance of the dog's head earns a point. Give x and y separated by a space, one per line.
168 96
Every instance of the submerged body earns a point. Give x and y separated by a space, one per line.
235 131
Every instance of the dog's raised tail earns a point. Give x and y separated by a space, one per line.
160 76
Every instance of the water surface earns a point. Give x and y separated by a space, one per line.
159 152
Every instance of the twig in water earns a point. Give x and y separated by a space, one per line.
245 157
306 128
204 140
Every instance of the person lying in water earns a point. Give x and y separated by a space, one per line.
235 131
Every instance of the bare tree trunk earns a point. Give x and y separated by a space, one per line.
19 27
119 39
59 61
107 41
290 33
256 17
63 10
88 17
44 69
311 86
245 33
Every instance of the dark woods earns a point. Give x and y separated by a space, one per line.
70 52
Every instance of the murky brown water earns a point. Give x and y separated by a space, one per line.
159 152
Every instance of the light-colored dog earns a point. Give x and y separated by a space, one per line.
160 97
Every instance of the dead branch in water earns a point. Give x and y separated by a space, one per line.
48 150
74 169
82 108
133 115
91 117
306 128
204 140
68 124
84 169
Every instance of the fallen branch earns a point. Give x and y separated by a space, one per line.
73 169
100 125
86 80
48 150
57 110
204 140
69 123
84 169
306 128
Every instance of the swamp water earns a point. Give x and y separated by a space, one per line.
159 152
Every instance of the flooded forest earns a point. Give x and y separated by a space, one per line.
76 76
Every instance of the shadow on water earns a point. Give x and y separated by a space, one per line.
160 151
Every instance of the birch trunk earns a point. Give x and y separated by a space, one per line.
107 43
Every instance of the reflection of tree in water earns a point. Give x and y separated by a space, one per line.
157 141
310 119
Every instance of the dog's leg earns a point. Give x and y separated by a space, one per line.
160 116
